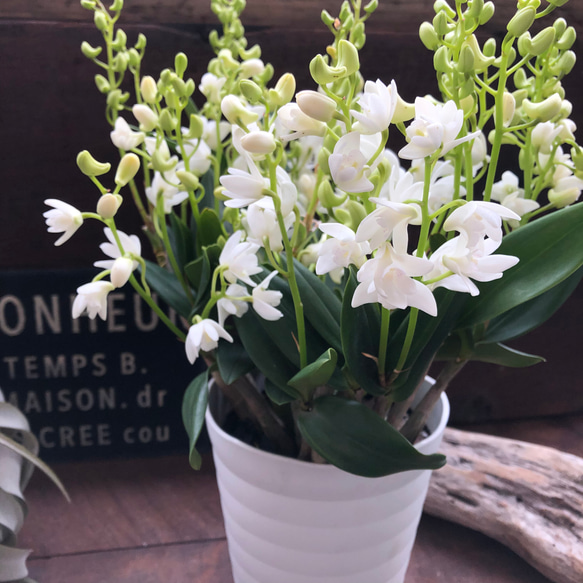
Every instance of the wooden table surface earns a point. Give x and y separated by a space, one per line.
157 521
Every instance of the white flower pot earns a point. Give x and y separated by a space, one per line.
289 521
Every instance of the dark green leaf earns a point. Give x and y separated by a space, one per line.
194 406
181 241
360 340
233 361
209 227
354 438
504 356
550 249
315 374
168 288
531 314
276 395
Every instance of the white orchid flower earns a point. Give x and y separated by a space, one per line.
166 186
239 259
265 300
468 263
348 165
261 224
377 107
210 86
544 135
341 250
565 191
387 278
242 188
251 68
124 137
434 129
212 135
477 219
131 247
92 298
204 336
390 219
509 194
198 154
294 120
62 218
229 306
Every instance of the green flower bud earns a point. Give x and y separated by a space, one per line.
468 88
441 60
323 156
566 109
180 64
577 157
167 120
348 57
328 197
428 36
481 62
520 79
567 39
521 21
195 128
162 164
89 51
345 11
489 48
322 73
371 6
171 98
134 58
508 108
351 213
487 13
519 96
551 86
88 4
440 24
475 8
102 84
235 112
179 86
560 26
166 77
250 91
543 41
116 6
227 60
218 193
267 74
141 42
403 111
567 62
100 20
120 41
524 45
116 99
128 167
443 6
90 166
465 62
285 88
327 18
557 3
544 110
253 53
148 89
188 179
189 88
108 205
358 38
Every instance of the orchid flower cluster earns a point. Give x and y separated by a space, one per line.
360 265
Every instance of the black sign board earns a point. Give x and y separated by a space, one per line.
90 388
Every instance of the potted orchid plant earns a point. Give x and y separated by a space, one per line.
320 274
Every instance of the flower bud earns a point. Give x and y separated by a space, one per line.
567 39
90 166
146 117
128 167
508 108
371 6
285 88
148 89
108 204
195 127
253 53
489 48
475 8
89 51
358 37
567 62
167 120
121 38
141 42
566 108
180 64
566 193
443 6
259 142
521 21
323 156
161 163
481 62
188 179
428 36
557 3
440 24
544 110
116 6
403 111
179 87
316 105
121 270
560 26
465 62
524 45
235 112
577 157
88 4
250 91
322 73
328 197
226 58
252 68
134 58
441 60
100 20
348 56
543 41
102 84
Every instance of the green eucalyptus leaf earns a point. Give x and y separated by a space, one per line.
354 438
233 361
194 406
315 374
502 355
531 314
168 288
360 339
550 249
209 227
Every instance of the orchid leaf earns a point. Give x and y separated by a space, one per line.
550 249
194 406
233 361
276 395
209 227
181 241
496 353
168 288
531 314
315 374
354 438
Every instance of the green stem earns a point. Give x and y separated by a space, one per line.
383 343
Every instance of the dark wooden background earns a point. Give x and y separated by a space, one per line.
50 110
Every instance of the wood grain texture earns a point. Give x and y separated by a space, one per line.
526 496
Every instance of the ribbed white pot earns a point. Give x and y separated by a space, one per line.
289 521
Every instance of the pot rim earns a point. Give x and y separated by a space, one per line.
423 444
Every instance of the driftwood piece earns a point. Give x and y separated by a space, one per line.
528 497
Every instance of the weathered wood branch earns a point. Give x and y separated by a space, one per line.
528 497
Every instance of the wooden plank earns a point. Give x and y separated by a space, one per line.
206 562
122 504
